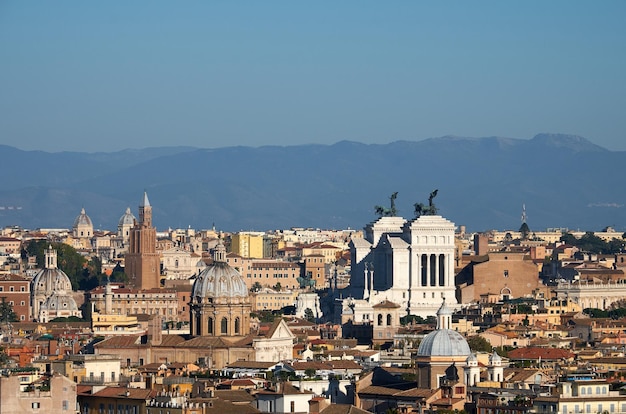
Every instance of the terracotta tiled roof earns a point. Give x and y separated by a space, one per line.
251 365
343 409
131 393
546 354
446 401
171 340
205 342
386 304
235 395
121 341
83 389
519 374
217 405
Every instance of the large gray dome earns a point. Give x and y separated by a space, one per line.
60 303
50 280
444 342
219 279
51 291
82 220
127 219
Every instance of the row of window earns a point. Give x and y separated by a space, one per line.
587 408
276 276
12 289
121 409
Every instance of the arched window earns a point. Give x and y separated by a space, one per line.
237 326
388 319
380 319
210 326
582 391
224 325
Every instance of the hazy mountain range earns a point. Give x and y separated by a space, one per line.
564 181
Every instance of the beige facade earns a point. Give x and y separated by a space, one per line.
315 269
266 272
179 263
59 397
582 397
127 301
500 337
592 295
269 299
329 252
10 245
386 321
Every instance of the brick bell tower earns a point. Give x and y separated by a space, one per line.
142 260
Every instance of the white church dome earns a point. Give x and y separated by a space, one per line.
82 220
444 341
127 218
50 279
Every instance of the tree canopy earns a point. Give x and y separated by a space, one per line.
479 344
83 273
6 312
591 243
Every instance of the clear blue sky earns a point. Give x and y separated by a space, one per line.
103 76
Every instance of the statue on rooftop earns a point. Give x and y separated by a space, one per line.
430 210
388 212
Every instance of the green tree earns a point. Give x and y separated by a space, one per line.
308 315
407 319
591 243
617 313
256 287
6 312
616 246
118 274
68 259
310 372
569 238
479 344
596 313
277 287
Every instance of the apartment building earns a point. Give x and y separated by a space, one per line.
266 272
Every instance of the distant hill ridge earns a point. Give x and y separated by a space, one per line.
564 181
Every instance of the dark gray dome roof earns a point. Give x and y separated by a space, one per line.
127 219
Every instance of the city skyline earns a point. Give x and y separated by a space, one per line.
106 77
